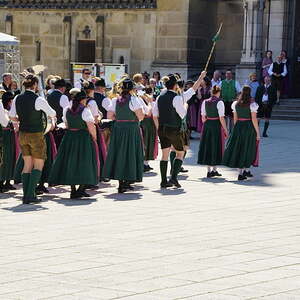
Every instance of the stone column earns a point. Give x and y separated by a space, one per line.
252 40
67 28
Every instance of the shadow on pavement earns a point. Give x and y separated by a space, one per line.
75 202
129 196
170 192
25 208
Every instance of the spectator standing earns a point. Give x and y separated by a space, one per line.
266 63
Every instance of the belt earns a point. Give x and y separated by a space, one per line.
213 118
74 129
243 119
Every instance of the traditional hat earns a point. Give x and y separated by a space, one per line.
100 83
59 83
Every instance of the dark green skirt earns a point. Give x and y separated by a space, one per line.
47 166
9 155
240 151
76 161
125 158
149 139
210 148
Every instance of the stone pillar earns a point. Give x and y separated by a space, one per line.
252 40
100 38
67 28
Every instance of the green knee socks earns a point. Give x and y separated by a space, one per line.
172 157
35 177
25 181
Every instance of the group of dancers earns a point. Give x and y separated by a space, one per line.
97 135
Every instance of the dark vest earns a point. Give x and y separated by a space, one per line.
99 99
167 113
53 100
29 118
278 68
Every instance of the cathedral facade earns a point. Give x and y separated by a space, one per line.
153 35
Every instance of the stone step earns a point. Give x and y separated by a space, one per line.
286 107
288 118
289 101
286 112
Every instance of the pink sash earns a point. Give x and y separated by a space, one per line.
155 152
243 119
97 157
102 145
17 145
256 161
53 145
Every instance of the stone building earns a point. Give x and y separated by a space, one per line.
164 35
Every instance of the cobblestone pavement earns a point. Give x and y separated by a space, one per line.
215 239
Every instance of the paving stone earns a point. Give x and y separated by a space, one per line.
215 239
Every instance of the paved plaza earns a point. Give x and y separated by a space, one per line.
215 239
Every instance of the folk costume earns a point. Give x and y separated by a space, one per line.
58 101
3 123
278 71
203 93
229 92
10 150
76 161
212 142
125 156
241 149
150 138
171 109
29 109
266 98
51 151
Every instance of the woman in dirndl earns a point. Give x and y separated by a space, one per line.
214 132
76 161
125 156
242 148
9 147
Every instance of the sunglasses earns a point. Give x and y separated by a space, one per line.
87 73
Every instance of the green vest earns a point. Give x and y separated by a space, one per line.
75 121
123 112
228 93
243 112
211 109
30 119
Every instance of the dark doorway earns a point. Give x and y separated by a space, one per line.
86 51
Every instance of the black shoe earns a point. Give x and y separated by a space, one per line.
75 195
8 186
216 174
247 174
83 194
121 189
128 187
242 177
165 185
183 170
31 200
209 175
265 135
146 168
40 190
91 187
175 183
3 189
150 168
104 180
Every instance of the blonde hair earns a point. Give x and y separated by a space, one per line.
137 77
215 90
165 79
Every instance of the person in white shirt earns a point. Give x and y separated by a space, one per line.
169 111
216 80
125 156
86 76
27 109
278 71
266 97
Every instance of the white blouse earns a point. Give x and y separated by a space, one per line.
86 115
253 107
3 116
135 104
93 107
220 108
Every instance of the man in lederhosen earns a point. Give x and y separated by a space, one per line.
58 101
169 112
27 109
